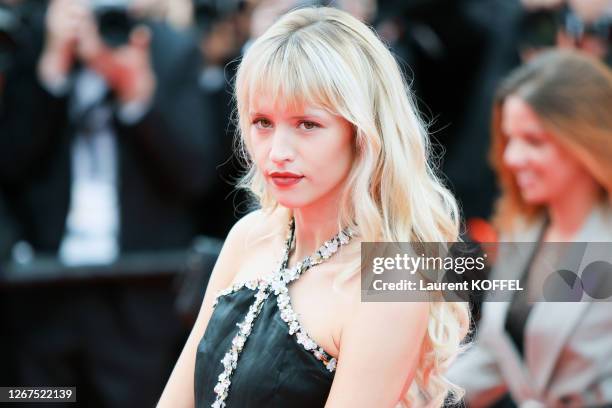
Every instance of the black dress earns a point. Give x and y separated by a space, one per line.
254 352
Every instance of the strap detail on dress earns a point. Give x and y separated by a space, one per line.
290 317
250 284
284 277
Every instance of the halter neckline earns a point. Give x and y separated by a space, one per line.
277 284
325 251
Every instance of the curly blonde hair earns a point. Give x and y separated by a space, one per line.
327 58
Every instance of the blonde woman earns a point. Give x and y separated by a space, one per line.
552 150
338 156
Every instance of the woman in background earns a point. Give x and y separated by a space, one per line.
337 156
552 151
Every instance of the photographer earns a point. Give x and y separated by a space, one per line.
585 25
104 150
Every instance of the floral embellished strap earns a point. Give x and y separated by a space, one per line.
230 359
324 252
249 284
290 317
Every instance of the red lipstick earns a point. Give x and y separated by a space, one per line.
285 179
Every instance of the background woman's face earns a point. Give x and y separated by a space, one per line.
543 169
305 153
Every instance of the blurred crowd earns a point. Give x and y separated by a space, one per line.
117 139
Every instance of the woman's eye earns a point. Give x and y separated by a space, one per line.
262 123
534 140
306 125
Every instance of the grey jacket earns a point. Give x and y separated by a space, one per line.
567 358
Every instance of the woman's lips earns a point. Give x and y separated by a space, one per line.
285 179
525 179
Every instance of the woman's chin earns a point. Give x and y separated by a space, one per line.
289 204
534 198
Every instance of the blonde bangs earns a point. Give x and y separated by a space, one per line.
288 78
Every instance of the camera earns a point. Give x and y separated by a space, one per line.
114 21
577 28
599 30
538 28
206 12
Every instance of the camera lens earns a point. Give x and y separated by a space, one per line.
114 22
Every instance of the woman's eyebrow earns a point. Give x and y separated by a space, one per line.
294 117
307 115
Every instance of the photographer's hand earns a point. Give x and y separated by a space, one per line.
127 69
62 26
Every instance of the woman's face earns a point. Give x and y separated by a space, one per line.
305 153
543 169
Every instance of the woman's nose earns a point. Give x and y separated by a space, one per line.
282 149
514 155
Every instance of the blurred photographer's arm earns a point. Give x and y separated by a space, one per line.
34 101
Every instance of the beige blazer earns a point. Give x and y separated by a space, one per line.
567 347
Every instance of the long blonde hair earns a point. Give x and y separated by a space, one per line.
571 93
327 58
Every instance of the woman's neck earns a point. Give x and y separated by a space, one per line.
568 212
313 226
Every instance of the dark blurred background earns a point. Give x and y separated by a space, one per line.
117 171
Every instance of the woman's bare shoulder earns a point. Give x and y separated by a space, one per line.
255 227
256 233
239 244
